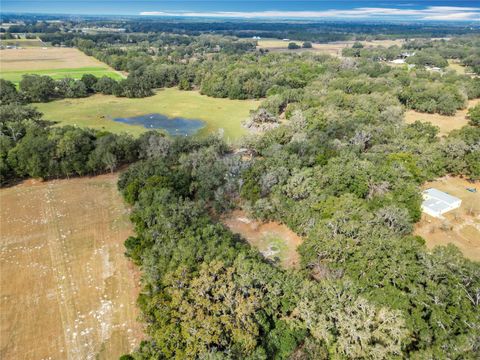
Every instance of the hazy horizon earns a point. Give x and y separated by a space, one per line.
403 10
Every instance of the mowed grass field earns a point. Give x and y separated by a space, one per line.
98 111
66 289
55 62
461 226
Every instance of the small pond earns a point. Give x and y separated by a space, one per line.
174 126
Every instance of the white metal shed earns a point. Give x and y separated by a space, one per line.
436 202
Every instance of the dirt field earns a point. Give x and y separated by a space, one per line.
332 48
461 226
66 289
445 123
43 59
275 241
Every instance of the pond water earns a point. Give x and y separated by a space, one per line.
174 126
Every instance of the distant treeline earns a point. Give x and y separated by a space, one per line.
306 31
42 88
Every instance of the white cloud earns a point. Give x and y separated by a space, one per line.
429 13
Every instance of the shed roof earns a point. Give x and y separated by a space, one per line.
440 196
437 202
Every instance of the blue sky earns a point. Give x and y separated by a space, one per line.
439 10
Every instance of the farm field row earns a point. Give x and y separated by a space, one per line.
55 62
98 111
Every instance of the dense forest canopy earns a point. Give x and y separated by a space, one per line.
340 167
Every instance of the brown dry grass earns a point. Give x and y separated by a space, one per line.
461 226
66 289
332 48
272 239
456 66
445 123
37 58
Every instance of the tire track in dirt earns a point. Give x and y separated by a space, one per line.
59 261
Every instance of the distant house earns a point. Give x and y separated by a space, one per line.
402 57
433 68
405 55
436 202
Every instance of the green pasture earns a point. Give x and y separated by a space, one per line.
98 111
15 76
25 43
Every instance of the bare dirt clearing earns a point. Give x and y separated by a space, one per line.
445 123
275 241
66 289
37 58
461 226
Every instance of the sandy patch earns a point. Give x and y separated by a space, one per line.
275 241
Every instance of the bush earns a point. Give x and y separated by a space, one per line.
293 46
474 115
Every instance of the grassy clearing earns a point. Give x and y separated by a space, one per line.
16 76
458 68
66 289
445 123
98 111
275 241
461 226
23 42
